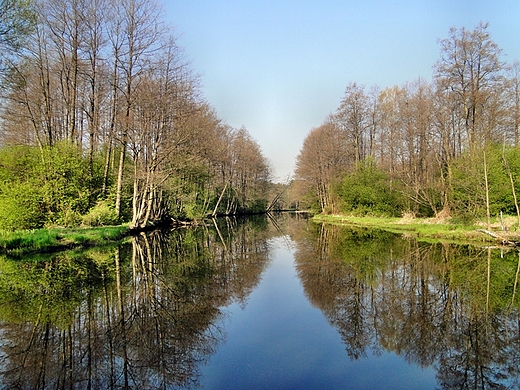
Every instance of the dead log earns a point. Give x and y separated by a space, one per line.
504 240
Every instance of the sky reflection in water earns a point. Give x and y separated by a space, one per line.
280 341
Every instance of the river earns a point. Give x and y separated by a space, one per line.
280 303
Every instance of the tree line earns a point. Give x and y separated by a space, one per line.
102 120
444 148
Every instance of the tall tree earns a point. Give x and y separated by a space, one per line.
389 153
139 37
353 117
421 170
158 139
96 92
471 66
17 22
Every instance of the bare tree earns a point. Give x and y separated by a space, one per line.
158 139
353 117
322 161
389 151
138 36
471 67
92 48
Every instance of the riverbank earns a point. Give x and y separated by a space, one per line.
50 240
428 228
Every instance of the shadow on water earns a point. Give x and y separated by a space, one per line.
149 314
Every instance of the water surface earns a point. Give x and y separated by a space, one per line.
278 340
284 304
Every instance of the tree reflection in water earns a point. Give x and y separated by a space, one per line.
148 314
144 315
434 304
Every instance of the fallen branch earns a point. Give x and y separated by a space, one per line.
504 240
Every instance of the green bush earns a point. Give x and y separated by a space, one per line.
21 206
103 213
469 186
369 191
67 218
52 186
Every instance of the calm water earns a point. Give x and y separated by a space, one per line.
284 304
280 341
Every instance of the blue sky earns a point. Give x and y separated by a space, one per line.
278 68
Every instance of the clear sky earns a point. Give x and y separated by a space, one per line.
279 67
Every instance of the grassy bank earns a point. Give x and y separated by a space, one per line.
425 228
48 240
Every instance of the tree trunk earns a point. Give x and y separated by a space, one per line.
119 185
488 216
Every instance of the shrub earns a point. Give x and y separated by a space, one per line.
20 207
368 191
103 213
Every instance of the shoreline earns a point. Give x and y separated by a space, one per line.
428 229
25 242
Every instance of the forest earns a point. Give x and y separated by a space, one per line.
103 122
446 148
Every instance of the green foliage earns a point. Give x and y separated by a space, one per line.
369 191
65 180
469 192
187 192
103 213
257 206
44 187
21 206
21 193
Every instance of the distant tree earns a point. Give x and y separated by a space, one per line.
353 118
421 169
251 172
322 162
389 152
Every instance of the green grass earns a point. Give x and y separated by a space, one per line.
421 228
44 240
